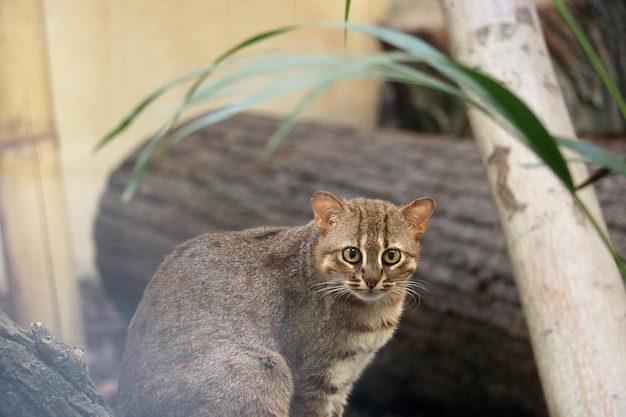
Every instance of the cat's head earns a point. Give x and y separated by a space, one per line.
368 248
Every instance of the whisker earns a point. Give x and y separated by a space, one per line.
420 263
419 284
340 293
414 299
326 290
412 290
334 289
324 283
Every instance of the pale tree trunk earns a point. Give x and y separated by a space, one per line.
570 288
33 223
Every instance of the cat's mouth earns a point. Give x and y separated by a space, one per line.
369 294
364 291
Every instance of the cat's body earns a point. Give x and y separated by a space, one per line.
272 322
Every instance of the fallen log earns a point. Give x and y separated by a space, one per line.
463 351
42 376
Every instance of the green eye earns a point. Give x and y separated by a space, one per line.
391 256
351 255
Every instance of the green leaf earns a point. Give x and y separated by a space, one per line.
346 16
262 78
237 107
595 154
330 71
238 47
505 104
521 119
141 166
141 107
498 101
287 125
604 237
414 46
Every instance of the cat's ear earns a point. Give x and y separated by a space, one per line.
418 213
326 208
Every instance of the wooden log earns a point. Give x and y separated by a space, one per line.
42 376
463 351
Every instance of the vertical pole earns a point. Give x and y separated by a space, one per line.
32 206
570 288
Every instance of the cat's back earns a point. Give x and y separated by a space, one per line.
218 268
215 288
217 285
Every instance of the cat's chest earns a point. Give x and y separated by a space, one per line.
354 343
351 357
355 346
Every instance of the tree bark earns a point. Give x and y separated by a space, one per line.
464 350
571 290
42 376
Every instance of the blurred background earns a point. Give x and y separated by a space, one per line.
71 70
97 60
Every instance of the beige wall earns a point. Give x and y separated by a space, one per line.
106 55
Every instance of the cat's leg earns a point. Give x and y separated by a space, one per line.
244 381
318 404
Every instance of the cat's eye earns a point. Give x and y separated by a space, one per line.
391 256
351 255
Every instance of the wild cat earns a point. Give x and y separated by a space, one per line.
273 322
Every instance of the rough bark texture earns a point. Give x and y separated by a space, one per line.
42 376
463 351
593 110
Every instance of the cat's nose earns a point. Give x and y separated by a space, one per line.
371 282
